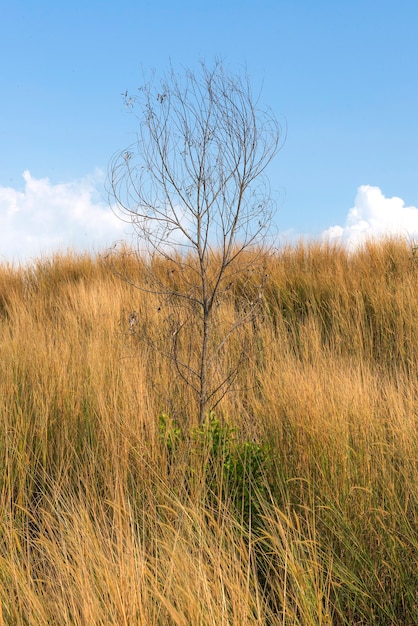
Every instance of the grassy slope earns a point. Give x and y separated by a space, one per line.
103 522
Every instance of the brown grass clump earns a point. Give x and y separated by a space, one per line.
296 504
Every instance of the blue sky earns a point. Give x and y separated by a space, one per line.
342 76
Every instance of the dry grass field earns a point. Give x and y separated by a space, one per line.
296 503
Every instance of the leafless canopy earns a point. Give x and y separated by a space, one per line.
193 179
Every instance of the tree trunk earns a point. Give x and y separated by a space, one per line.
203 393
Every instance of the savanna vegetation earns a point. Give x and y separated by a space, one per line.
295 502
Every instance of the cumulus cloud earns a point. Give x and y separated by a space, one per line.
47 217
374 216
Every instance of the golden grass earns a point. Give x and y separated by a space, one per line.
105 521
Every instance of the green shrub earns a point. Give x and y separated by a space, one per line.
235 471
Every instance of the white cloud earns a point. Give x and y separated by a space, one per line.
374 216
47 217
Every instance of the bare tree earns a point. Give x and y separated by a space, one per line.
193 187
